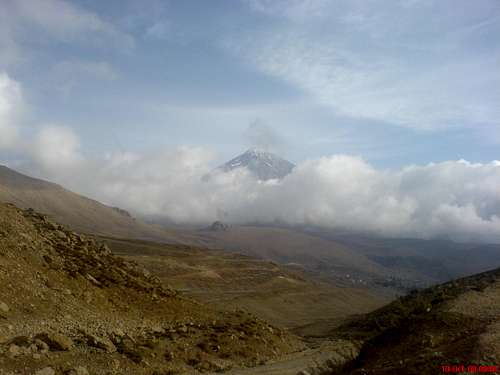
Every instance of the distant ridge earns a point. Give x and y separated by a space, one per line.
264 165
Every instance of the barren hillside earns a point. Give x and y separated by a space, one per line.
285 296
78 212
66 302
453 324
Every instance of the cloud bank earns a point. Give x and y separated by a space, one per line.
452 199
10 103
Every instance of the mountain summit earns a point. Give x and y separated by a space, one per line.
264 165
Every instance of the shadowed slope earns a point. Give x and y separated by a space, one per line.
457 323
78 212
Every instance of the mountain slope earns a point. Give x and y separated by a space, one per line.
320 256
78 212
67 302
284 296
356 259
264 165
452 324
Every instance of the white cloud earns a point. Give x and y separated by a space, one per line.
10 103
33 21
67 22
56 149
381 89
454 199
97 69
409 64
159 30
296 10
260 134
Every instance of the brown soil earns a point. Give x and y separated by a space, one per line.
285 296
66 301
457 323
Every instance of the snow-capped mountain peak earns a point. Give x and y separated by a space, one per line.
264 165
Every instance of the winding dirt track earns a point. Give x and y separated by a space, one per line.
310 361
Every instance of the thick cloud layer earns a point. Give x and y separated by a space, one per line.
56 149
453 199
10 100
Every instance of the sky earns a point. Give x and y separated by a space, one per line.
102 88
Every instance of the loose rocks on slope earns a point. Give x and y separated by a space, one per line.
66 303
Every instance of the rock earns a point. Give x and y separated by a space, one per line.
220 365
50 225
61 235
56 341
157 330
218 226
41 345
101 343
14 350
80 370
4 307
105 250
169 356
92 279
21 341
46 371
119 332
117 336
87 296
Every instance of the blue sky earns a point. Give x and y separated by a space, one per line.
396 82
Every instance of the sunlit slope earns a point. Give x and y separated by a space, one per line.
66 301
283 295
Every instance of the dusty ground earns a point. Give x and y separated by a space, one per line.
457 323
285 296
67 302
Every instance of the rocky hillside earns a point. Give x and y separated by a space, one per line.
452 325
285 296
68 306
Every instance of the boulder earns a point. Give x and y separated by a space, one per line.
21 341
14 350
101 342
4 307
56 341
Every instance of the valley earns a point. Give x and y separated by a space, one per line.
285 296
